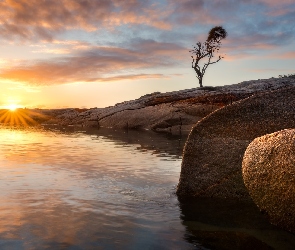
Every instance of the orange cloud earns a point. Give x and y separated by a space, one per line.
61 47
129 77
99 64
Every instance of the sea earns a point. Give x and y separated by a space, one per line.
74 188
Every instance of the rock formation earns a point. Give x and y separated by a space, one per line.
174 112
269 175
212 158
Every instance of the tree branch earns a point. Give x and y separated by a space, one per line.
207 49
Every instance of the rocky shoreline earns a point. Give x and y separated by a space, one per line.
172 112
220 123
215 149
212 157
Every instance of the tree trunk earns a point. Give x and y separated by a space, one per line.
201 82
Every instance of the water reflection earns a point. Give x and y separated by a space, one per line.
86 190
229 224
159 144
103 189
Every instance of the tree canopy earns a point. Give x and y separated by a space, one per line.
207 49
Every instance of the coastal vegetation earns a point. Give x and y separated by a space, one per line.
206 51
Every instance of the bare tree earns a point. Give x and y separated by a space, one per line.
207 50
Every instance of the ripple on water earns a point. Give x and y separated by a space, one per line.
98 190
84 190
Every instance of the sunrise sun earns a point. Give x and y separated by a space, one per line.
12 107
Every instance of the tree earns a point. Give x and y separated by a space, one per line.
207 50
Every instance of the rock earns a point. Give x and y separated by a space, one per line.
160 118
212 157
161 112
269 175
91 124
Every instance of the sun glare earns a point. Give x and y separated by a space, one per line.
15 115
12 107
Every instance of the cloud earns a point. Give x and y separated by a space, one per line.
99 63
60 47
190 12
126 28
254 42
252 27
283 56
287 55
45 19
48 20
276 3
241 46
128 77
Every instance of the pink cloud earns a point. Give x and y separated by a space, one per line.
276 3
242 47
283 56
44 19
288 55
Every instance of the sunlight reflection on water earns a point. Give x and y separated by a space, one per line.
88 191
102 189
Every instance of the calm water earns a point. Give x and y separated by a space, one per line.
100 189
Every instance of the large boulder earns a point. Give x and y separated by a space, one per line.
212 158
269 175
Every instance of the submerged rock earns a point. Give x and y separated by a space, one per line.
269 175
212 158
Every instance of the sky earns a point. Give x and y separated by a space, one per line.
96 53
